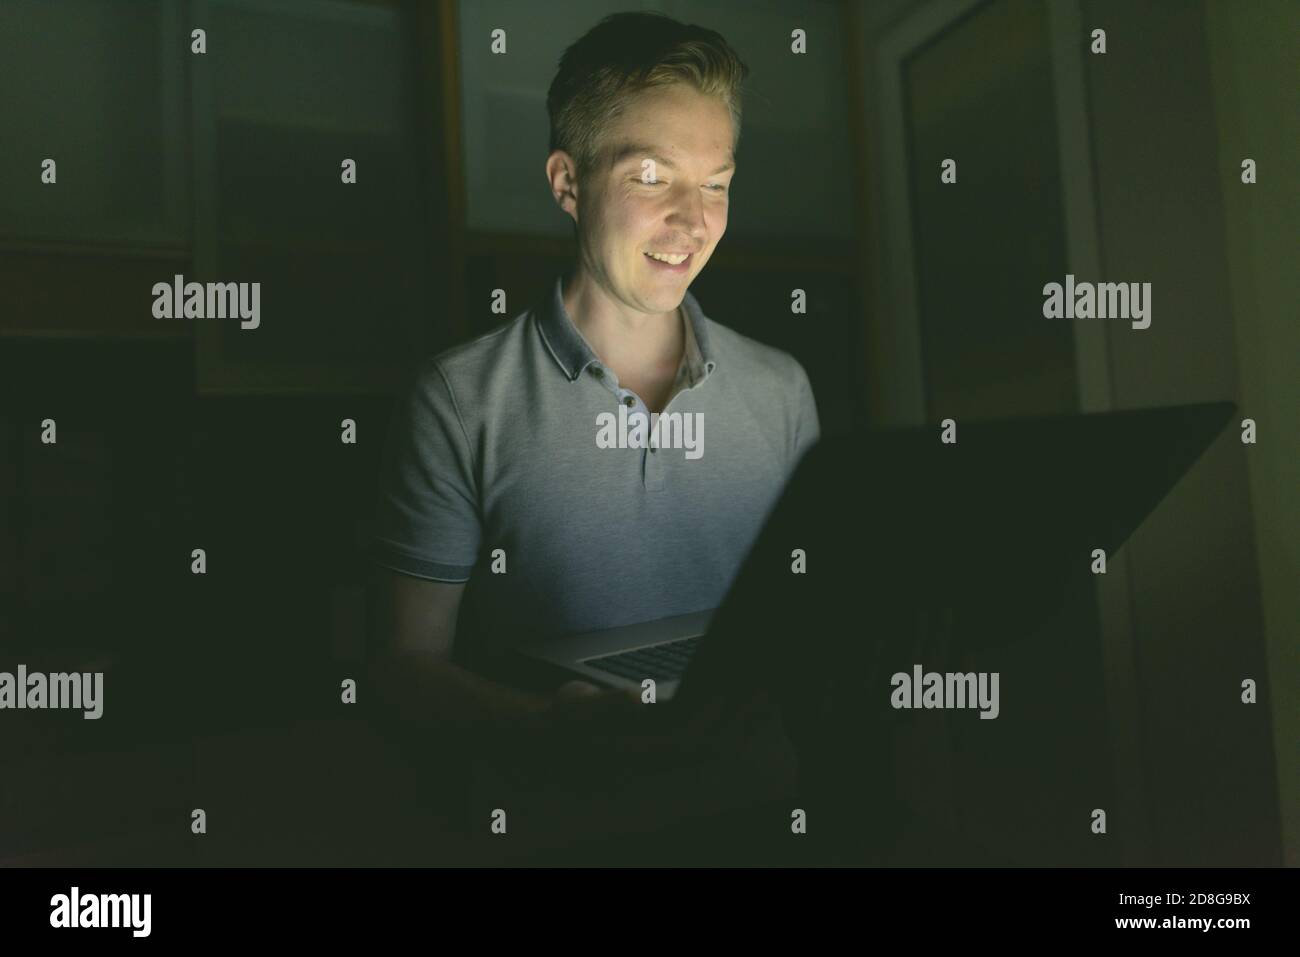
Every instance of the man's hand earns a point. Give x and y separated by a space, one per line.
720 722
619 719
579 702
586 716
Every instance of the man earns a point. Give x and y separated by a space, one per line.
497 488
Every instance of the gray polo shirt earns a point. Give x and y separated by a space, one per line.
494 474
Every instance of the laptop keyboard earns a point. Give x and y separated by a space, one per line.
664 662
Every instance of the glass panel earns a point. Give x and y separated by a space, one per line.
986 244
98 88
300 87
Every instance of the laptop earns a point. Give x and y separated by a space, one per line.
624 657
896 528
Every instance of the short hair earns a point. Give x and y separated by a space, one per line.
626 54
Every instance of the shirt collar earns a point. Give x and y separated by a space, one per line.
573 354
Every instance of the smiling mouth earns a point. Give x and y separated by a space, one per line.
677 262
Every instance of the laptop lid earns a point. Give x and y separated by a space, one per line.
875 528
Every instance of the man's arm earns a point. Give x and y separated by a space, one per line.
414 674
807 430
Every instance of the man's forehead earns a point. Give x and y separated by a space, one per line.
627 150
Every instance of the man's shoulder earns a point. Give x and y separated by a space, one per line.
769 382
752 360
461 367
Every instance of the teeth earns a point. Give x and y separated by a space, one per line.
671 260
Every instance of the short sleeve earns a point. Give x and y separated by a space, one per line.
807 425
427 520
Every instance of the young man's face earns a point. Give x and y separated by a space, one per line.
666 192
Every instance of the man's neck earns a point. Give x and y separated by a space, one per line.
633 344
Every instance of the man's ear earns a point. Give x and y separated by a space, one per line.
561 166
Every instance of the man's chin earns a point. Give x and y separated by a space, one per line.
658 301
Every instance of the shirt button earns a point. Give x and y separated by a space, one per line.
598 372
629 401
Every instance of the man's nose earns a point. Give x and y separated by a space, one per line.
688 214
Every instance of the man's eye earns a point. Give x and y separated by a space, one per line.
716 187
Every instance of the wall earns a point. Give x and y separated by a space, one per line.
1251 46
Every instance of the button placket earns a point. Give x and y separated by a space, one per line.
652 470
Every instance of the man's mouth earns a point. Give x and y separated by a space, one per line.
678 262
